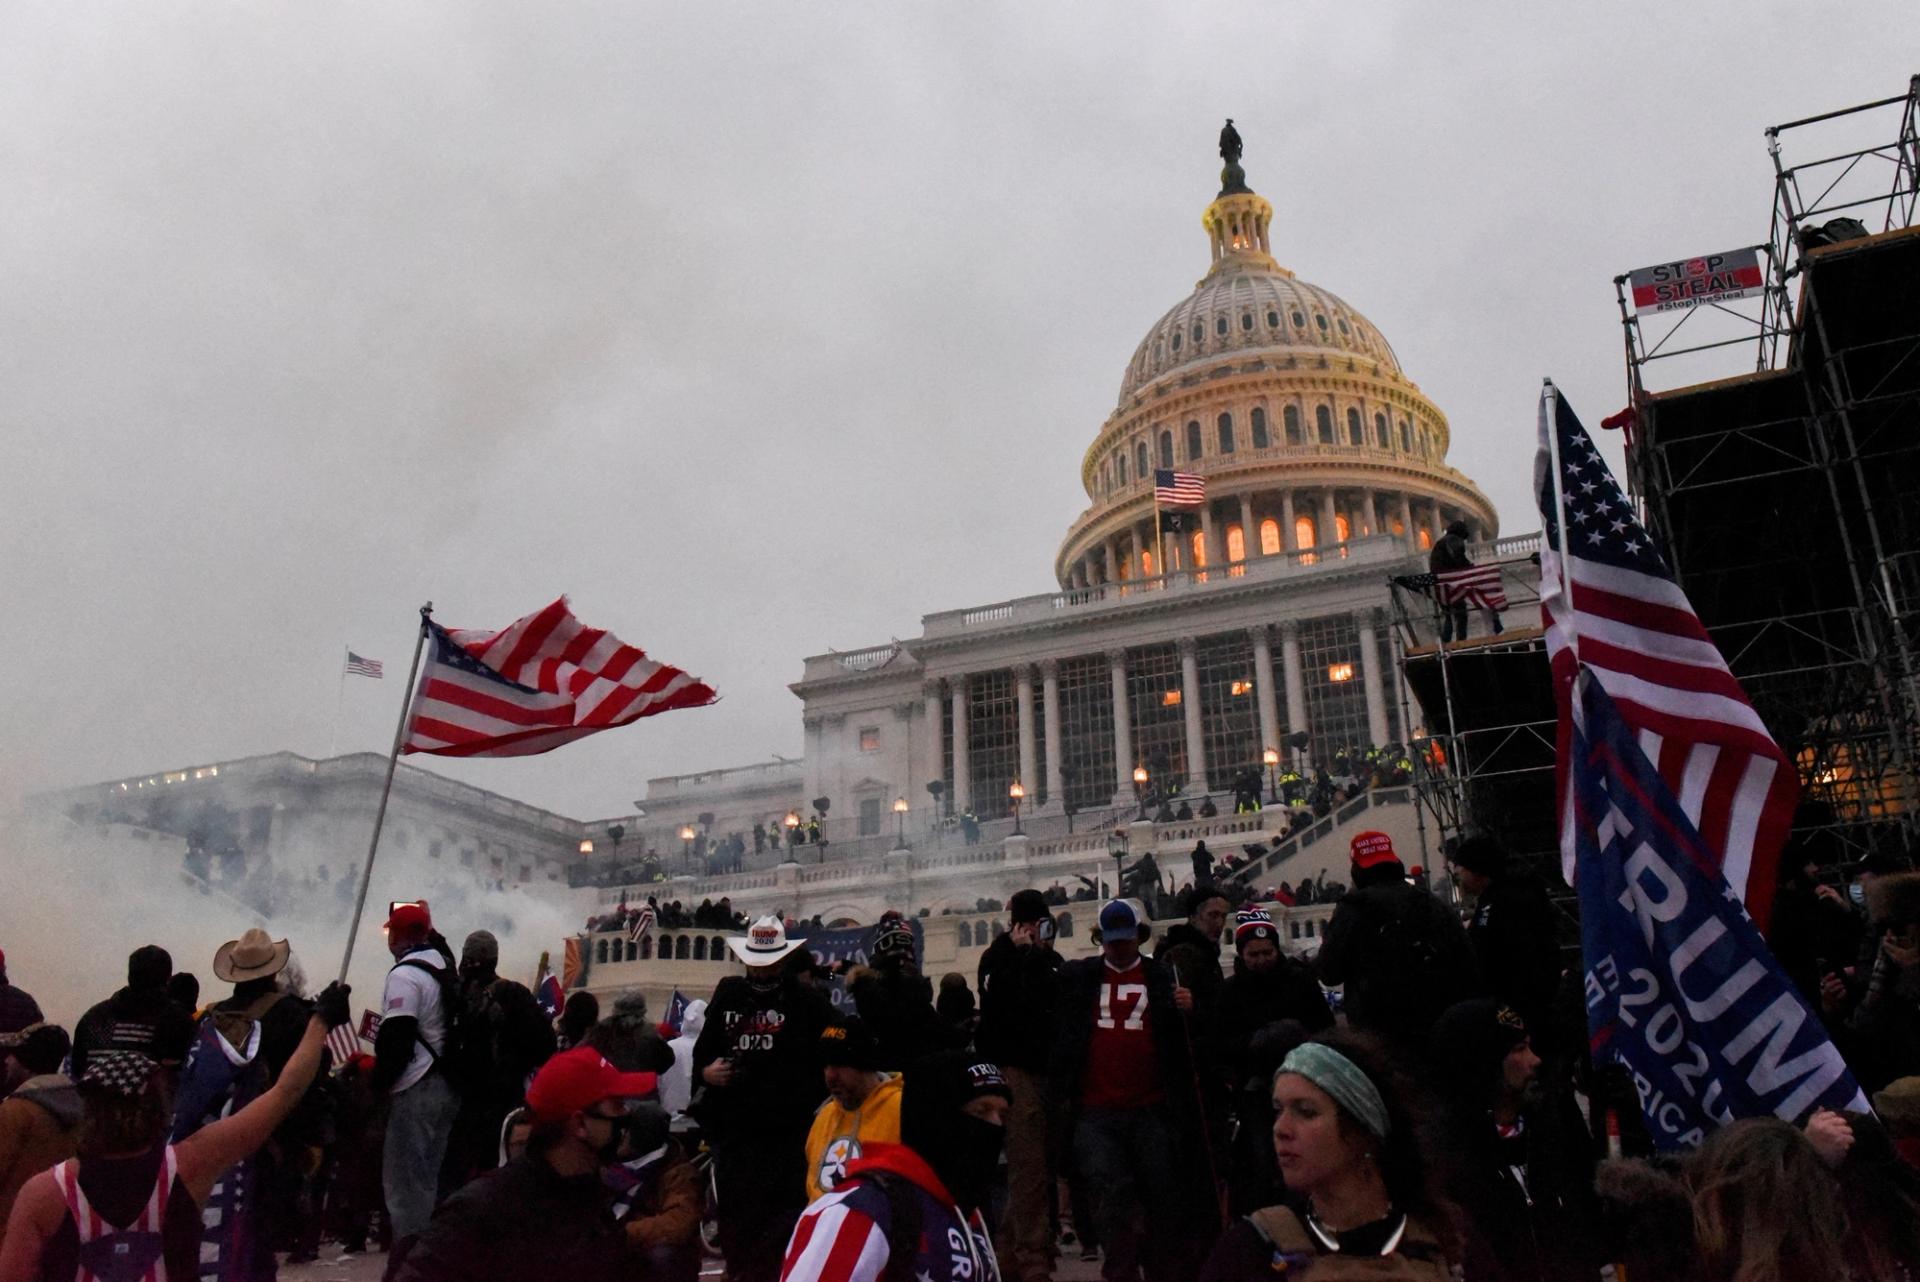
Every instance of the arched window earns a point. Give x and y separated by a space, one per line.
1426 537
1323 419
1140 464
1246 322
1303 532
1355 434
1259 417
1122 461
1290 419
1220 326
1273 319
966 935
1199 549
717 950
1406 436
600 950
1193 439
1380 430
646 948
1166 448
1225 424
633 950
1236 543
1341 529
682 949
1146 563
699 947
1063 925
1269 537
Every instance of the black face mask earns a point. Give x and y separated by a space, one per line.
609 1153
976 1158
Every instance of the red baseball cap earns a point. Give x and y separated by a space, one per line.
409 918
1371 849
576 1080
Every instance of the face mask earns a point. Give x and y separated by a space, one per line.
975 1156
609 1152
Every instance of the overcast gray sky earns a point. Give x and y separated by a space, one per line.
756 330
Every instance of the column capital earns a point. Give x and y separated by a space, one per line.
1289 629
1260 634
1050 669
904 711
957 684
812 722
1367 616
1117 655
836 719
930 689
1189 648
1023 673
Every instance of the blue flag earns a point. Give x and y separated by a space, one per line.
853 946
676 1010
1680 987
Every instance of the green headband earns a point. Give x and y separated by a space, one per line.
1341 1078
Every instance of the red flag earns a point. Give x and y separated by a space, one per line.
546 680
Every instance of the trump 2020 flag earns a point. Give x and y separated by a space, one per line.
546 680
1680 987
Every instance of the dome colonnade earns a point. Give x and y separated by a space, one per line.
1288 401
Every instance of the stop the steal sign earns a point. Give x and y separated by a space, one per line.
1710 278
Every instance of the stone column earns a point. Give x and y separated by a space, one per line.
1210 533
1329 530
1029 757
1370 677
936 741
1190 705
1369 519
814 754
1436 522
1123 762
1263 689
1406 521
1050 718
1289 537
1249 533
962 750
1110 572
1296 684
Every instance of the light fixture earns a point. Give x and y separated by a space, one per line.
1241 687
1270 757
586 847
1170 699
686 832
1140 776
792 820
1016 792
900 806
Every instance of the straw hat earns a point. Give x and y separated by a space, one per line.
255 955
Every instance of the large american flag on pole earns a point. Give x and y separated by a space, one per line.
1179 489
1609 602
546 680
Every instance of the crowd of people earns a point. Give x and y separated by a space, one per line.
1191 1105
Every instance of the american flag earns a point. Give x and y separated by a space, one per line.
1610 604
642 924
1476 585
344 1044
546 680
1179 489
359 667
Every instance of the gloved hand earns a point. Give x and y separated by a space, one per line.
332 1004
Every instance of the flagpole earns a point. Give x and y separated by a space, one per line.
386 789
1159 540
1549 398
339 701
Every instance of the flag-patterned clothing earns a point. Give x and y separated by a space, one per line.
1179 489
1609 602
131 1252
546 680
847 1235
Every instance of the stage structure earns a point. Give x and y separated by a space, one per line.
1787 498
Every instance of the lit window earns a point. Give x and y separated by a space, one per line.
176 776
1225 424
1193 439
1303 532
1340 672
1199 549
1146 563
1341 528
1170 699
869 738
1269 537
1426 537
1241 688
1236 543
1259 419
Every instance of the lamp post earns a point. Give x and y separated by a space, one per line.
792 821
1140 789
1016 794
1117 848
900 819
1272 758
586 846
686 844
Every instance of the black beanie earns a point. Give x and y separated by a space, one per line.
1027 905
149 966
963 1151
849 1044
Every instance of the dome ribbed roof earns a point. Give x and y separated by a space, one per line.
1243 307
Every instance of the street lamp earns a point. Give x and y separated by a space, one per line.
792 821
586 846
686 844
1272 758
900 818
1117 848
1140 789
1016 793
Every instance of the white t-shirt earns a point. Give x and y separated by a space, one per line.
413 993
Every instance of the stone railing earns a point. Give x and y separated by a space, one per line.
840 663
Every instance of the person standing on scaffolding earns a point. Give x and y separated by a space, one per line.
1450 554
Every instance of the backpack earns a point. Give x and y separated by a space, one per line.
466 1056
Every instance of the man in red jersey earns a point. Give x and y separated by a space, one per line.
1123 1072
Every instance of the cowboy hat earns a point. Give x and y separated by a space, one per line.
255 955
764 943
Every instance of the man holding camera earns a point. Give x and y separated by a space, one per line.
1018 976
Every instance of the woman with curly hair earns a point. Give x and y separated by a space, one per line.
1346 1135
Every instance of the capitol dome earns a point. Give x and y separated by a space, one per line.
1287 402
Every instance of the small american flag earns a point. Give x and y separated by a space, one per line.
546 680
344 1044
1610 604
1476 585
359 667
1179 489
641 925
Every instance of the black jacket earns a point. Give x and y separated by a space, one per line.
1513 936
134 1019
1018 988
1546 1229
897 1008
1249 1002
521 1223
771 1034
1402 955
